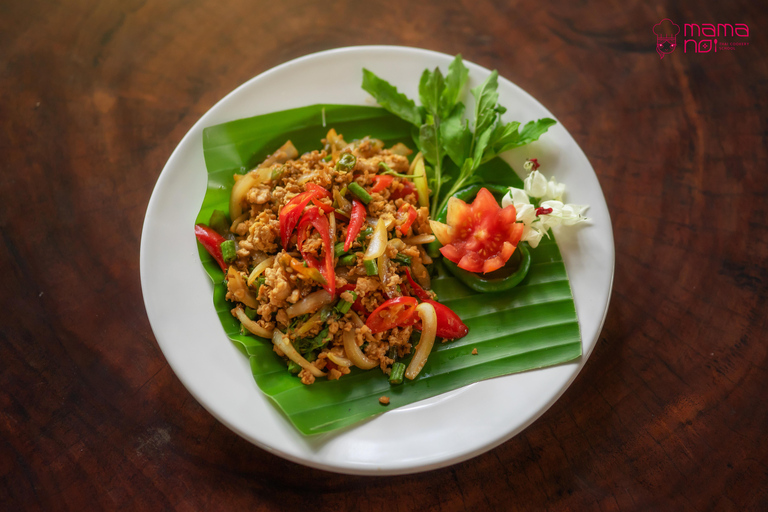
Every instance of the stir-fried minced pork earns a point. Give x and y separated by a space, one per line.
299 280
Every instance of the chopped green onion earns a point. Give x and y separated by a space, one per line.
250 313
397 373
327 158
403 258
228 251
348 260
338 249
371 269
346 163
343 307
360 192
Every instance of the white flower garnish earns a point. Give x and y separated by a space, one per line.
555 190
535 184
550 213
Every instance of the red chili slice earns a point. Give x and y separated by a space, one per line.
449 325
325 207
292 210
317 220
318 190
211 241
420 292
381 181
290 214
356 222
408 188
410 214
397 312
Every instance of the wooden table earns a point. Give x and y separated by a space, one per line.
670 412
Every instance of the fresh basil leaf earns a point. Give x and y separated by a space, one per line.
429 143
456 135
481 143
486 99
455 80
509 137
535 129
431 88
388 97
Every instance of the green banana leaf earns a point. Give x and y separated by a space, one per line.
532 326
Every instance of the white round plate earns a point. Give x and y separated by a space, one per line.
426 435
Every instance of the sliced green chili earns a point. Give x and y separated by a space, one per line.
346 163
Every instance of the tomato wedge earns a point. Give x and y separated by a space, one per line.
397 312
479 237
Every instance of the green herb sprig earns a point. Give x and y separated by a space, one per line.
440 128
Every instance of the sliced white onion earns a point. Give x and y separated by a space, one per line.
355 354
420 180
339 360
261 267
421 274
424 256
251 325
398 244
401 149
284 153
378 241
428 317
383 264
284 344
359 323
238 220
236 285
310 303
418 158
241 188
419 239
332 226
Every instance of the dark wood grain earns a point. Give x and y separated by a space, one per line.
670 412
